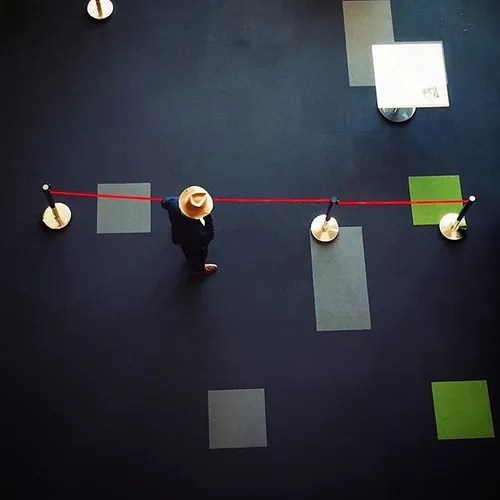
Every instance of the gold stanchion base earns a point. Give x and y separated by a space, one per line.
106 7
449 229
50 220
397 115
322 233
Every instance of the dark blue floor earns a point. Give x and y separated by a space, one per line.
109 347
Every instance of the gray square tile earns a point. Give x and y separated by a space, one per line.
339 281
123 216
237 418
366 23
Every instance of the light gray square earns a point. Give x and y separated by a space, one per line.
124 216
339 281
366 23
237 418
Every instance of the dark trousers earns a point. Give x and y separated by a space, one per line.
196 256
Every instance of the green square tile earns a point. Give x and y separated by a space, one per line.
434 187
462 410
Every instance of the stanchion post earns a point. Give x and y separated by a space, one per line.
333 201
57 215
100 9
324 227
451 225
329 209
464 210
52 205
48 195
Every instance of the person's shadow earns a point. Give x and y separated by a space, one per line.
177 301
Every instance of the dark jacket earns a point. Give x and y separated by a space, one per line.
185 231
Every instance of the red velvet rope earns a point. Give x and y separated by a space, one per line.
262 200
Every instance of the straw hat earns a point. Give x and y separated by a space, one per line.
195 202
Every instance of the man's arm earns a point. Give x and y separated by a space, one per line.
168 202
209 226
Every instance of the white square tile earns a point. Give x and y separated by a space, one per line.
410 74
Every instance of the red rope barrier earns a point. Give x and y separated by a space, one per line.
400 202
272 200
263 200
103 195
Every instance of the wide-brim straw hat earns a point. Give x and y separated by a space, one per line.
195 202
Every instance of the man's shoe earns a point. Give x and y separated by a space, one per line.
210 268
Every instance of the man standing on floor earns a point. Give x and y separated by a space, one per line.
192 225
